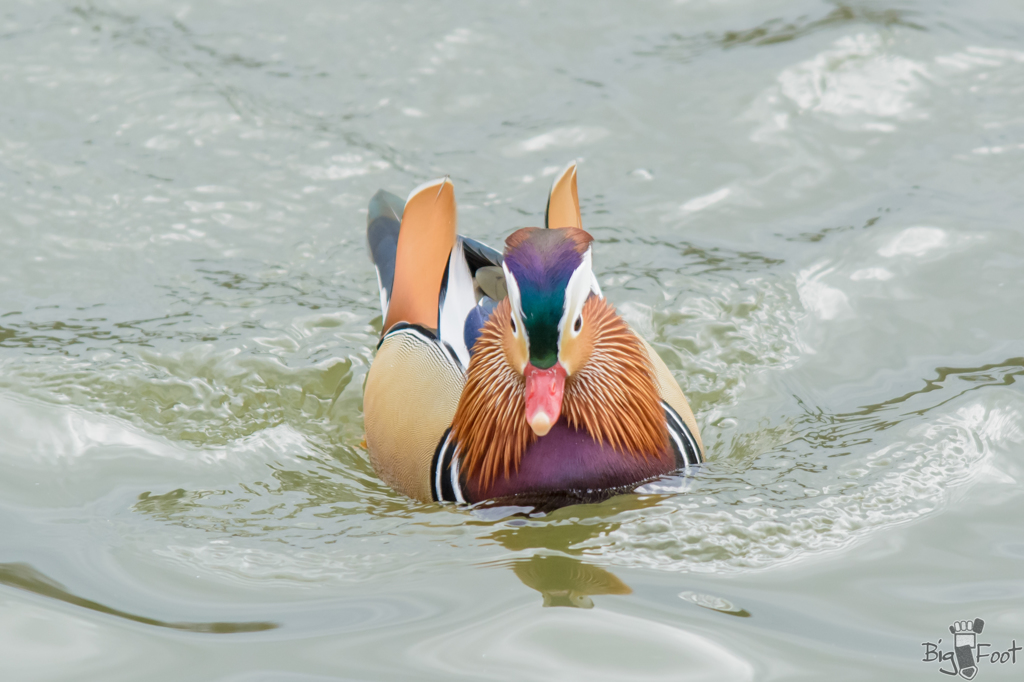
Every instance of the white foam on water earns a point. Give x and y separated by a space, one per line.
873 273
978 58
915 241
702 202
912 475
63 455
856 77
825 301
856 84
559 138
337 171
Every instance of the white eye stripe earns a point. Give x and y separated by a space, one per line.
513 291
576 293
517 306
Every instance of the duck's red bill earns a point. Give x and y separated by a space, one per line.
544 388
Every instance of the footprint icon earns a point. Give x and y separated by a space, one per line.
965 636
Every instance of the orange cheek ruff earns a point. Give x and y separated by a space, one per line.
544 388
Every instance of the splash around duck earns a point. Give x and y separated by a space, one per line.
508 375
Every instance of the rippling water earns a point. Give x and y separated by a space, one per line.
812 209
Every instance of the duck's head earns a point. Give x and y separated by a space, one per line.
547 339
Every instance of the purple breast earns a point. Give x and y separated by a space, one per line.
567 459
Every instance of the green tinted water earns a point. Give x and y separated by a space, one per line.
812 209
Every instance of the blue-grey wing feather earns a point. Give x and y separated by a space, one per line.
479 255
383 221
383 224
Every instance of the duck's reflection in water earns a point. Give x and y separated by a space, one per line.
565 581
555 528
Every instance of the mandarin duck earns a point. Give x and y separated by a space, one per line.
509 375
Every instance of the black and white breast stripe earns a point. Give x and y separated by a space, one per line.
683 442
444 471
428 337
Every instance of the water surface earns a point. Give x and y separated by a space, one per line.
811 209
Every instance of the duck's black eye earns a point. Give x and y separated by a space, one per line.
513 321
579 324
